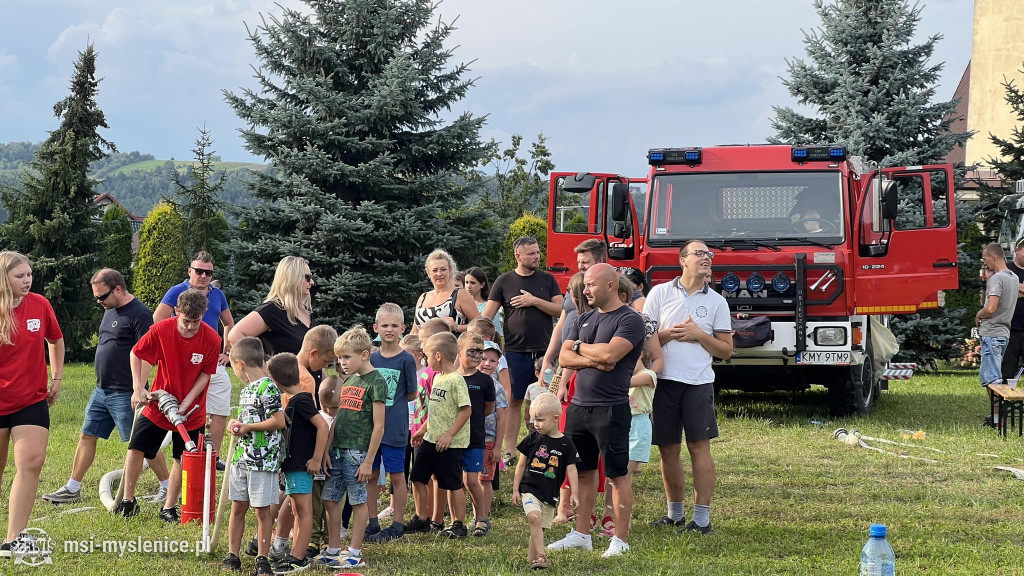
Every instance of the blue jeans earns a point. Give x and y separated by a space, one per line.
992 348
107 409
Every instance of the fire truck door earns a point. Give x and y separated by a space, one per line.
573 217
905 234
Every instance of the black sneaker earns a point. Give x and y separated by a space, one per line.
127 508
263 567
24 546
393 532
456 531
231 563
170 515
251 549
290 565
666 521
693 527
371 530
417 524
311 553
220 465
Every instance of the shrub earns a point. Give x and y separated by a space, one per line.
526 225
162 259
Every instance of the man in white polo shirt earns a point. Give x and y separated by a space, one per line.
693 326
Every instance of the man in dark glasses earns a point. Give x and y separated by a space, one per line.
125 321
218 398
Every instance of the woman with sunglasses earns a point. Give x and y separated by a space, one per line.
286 314
28 327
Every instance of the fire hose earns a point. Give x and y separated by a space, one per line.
168 405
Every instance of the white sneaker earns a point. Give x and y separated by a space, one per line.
161 495
615 548
573 539
386 513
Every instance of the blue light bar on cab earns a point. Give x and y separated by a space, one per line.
818 153
691 156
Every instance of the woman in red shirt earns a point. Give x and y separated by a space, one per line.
26 321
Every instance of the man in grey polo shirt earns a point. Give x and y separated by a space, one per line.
693 326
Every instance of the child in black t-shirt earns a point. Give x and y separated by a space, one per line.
546 458
305 441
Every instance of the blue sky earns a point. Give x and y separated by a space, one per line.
603 79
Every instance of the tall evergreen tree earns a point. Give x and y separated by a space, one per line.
199 204
872 90
1009 165
349 109
52 219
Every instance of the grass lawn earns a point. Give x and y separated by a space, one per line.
789 499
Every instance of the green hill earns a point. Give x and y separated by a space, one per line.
137 180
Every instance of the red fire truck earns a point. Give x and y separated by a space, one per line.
825 245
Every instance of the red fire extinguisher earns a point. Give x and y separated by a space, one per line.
198 483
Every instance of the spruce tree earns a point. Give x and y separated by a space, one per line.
1009 166
199 205
872 89
51 220
349 111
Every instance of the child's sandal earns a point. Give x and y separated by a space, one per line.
481 527
540 563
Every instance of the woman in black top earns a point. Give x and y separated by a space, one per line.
445 301
285 316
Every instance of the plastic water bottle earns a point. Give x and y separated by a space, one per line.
549 375
876 558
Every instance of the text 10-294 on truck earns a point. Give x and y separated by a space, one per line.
825 246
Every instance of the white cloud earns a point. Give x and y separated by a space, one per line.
603 79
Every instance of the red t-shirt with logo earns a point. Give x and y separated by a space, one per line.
23 364
178 361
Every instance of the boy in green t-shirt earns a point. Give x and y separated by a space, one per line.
448 411
356 431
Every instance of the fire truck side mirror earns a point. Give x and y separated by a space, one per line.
890 198
620 201
580 183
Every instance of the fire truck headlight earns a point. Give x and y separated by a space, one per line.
830 336
781 283
730 282
755 282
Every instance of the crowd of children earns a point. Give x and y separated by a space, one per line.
426 408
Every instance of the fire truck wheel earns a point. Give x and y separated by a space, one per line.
855 394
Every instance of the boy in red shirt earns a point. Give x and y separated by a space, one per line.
186 351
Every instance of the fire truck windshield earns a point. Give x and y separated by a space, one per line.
784 207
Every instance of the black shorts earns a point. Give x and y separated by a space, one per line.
680 407
445 466
37 414
147 438
600 431
496 482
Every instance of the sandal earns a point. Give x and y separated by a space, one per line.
481 527
540 563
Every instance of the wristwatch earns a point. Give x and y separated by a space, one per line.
576 346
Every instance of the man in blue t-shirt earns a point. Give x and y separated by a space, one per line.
125 321
218 396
